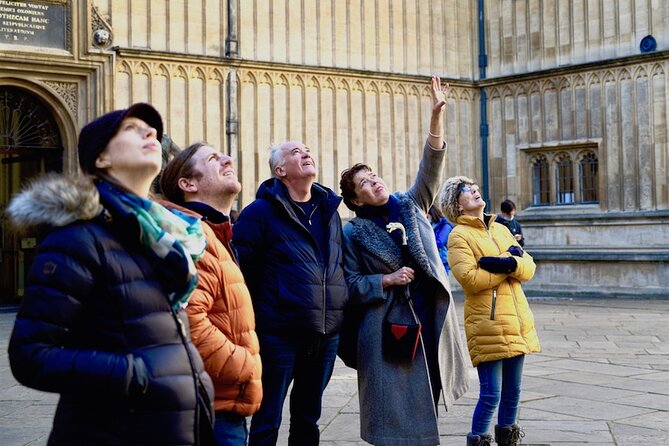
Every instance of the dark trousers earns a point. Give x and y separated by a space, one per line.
305 359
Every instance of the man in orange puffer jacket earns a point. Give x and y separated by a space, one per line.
202 180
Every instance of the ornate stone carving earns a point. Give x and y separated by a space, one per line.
98 21
102 34
68 93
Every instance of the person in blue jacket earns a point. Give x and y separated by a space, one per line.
102 320
288 243
442 229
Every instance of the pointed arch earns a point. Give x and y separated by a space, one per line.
124 67
329 84
313 82
564 84
249 78
657 70
266 78
640 72
494 93
298 81
624 75
199 73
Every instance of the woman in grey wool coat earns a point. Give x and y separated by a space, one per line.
399 401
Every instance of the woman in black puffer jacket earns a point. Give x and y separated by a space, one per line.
102 322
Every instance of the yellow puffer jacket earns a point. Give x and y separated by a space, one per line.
498 321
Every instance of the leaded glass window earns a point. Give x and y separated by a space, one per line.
564 180
587 172
540 185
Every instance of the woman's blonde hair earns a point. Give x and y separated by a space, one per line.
447 201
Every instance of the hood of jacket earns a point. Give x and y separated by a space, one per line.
54 200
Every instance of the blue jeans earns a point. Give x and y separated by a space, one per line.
306 360
230 429
500 385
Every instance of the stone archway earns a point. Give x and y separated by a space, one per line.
30 145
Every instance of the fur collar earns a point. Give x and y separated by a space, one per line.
55 200
380 245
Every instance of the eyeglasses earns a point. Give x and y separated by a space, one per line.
467 188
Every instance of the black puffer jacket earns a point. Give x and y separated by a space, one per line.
96 326
292 288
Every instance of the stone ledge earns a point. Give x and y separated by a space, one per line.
581 254
586 214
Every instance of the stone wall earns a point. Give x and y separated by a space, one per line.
525 36
350 79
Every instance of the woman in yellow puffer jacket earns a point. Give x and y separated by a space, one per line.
490 265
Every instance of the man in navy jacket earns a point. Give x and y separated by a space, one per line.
289 248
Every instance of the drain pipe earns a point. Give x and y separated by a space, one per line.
483 63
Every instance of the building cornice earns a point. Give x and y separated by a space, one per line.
248 64
577 68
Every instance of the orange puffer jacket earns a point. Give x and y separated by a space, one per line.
498 321
222 326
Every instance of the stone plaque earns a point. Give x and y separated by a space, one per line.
35 23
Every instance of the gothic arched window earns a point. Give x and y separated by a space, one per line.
540 185
564 180
587 172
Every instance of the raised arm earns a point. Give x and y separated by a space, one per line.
436 134
426 185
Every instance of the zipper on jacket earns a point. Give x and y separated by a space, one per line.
494 303
325 277
325 272
194 374
321 256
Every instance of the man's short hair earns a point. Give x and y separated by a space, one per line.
507 206
275 158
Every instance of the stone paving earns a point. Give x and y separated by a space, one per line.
602 379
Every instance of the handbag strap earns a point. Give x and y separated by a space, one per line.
405 297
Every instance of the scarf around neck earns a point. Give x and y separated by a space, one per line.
173 239
382 215
383 246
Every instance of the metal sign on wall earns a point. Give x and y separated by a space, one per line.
44 24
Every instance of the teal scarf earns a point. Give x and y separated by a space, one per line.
175 240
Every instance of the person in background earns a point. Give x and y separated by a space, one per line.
442 229
289 246
398 400
169 151
507 218
203 180
234 215
102 320
490 265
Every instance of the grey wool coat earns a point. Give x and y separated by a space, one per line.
396 403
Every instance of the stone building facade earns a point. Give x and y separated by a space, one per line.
574 124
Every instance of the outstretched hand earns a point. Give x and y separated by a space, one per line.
438 94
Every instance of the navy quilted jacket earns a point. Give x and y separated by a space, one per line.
292 287
95 326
